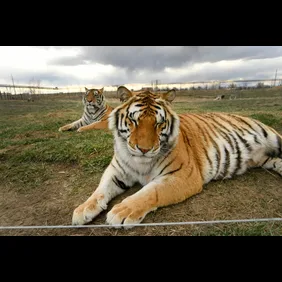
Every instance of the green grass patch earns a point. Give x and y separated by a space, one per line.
270 228
33 152
268 119
25 176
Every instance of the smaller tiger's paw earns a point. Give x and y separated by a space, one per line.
80 130
124 214
65 128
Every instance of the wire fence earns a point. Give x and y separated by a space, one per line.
142 224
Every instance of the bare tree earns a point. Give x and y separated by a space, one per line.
232 86
213 86
260 85
34 85
38 82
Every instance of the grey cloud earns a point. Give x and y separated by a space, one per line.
142 64
54 78
159 57
258 69
133 57
218 53
68 61
141 57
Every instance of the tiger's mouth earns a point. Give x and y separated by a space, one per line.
143 159
143 155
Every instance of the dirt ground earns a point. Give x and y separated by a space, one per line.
257 194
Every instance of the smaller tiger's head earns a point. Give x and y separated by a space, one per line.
145 123
93 97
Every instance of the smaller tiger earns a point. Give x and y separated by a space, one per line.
95 114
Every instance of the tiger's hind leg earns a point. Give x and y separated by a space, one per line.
267 162
268 155
274 155
95 125
274 164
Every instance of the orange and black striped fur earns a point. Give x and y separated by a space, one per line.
95 114
173 156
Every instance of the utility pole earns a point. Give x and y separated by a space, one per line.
156 84
13 85
275 78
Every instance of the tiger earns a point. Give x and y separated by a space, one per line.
173 156
122 98
95 114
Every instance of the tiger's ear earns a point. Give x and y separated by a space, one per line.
123 93
169 95
86 89
101 90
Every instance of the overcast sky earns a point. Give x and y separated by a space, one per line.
109 65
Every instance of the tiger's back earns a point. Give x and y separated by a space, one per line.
227 144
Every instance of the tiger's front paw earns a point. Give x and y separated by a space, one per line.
88 211
125 213
81 129
61 129
65 128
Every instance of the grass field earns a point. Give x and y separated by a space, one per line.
45 174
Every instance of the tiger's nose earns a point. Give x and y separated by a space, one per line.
143 150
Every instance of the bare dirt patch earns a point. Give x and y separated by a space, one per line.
9 148
35 134
14 148
56 115
257 194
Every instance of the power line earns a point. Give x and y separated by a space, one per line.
221 81
28 86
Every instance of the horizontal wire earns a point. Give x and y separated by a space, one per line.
141 224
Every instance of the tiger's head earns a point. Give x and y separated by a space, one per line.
93 97
145 124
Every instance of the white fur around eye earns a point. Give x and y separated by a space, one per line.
160 119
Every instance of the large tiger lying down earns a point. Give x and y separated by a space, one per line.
173 156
